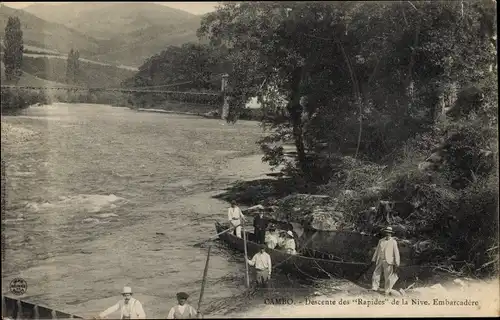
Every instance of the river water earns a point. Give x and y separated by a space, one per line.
101 197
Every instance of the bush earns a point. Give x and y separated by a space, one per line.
476 233
14 100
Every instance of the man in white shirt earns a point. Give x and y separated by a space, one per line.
263 267
235 217
386 258
129 307
182 310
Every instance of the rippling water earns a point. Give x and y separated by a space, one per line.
102 197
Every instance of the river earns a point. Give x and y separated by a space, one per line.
101 197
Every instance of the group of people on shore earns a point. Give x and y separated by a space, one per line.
386 259
386 256
131 308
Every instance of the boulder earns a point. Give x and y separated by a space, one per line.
325 221
254 209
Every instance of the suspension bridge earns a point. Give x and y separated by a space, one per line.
146 95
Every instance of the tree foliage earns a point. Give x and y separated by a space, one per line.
370 74
13 51
191 67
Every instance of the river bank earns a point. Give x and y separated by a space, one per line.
442 295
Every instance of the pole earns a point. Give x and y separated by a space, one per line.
204 278
215 236
225 102
247 278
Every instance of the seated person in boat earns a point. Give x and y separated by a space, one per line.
272 237
281 239
289 243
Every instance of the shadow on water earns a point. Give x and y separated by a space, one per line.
252 192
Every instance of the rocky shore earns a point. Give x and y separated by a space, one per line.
446 293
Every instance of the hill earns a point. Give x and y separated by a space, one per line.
48 35
31 80
91 74
128 33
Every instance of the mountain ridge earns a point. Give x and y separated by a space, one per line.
49 35
116 33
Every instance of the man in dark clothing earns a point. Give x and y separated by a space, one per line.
260 226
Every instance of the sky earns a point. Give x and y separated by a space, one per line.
191 7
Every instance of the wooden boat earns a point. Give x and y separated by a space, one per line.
310 263
18 309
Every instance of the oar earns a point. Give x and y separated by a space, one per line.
215 236
247 278
203 282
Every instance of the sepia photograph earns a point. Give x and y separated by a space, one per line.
253 159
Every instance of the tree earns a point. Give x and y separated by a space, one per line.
373 73
73 66
13 53
190 67
70 67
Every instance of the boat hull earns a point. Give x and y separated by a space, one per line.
308 267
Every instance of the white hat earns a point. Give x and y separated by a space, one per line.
290 233
388 229
127 290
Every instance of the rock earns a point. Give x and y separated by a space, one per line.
255 209
422 246
349 193
427 166
297 227
438 288
90 220
325 221
395 293
375 190
107 215
434 158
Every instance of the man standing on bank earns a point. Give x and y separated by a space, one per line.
260 225
386 258
182 310
129 307
263 267
235 217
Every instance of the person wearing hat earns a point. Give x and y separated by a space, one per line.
260 225
289 244
235 217
272 237
386 258
182 310
129 307
263 266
